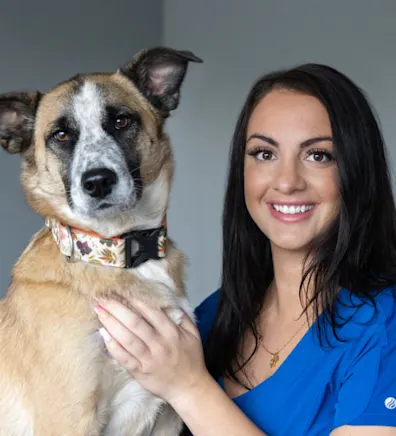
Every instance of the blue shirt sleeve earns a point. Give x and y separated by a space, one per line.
367 394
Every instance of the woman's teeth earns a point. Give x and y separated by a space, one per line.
291 210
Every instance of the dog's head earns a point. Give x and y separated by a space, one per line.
94 154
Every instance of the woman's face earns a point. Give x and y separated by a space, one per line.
291 179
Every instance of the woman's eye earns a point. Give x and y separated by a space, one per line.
264 155
320 156
261 154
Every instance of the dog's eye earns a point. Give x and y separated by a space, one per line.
61 136
121 122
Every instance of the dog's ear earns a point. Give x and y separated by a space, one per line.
17 117
158 74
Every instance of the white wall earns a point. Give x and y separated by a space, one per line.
42 43
239 40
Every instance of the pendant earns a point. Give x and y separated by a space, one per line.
274 361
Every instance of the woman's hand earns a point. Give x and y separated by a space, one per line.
168 361
164 358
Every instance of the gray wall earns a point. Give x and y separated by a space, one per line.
42 43
240 40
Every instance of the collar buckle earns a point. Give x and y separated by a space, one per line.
143 245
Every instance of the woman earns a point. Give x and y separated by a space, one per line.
301 337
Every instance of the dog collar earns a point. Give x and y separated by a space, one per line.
126 251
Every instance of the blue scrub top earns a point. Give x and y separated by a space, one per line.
317 389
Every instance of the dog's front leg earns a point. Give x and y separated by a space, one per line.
168 422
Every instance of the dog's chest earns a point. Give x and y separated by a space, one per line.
156 273
126 406
130 406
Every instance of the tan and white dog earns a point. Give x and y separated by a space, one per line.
98 166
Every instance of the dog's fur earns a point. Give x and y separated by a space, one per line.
55 375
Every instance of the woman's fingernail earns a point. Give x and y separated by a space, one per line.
100 311
105 334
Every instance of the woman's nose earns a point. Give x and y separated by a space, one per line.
289 177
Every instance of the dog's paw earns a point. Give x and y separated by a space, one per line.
175 314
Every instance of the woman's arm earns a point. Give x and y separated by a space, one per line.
364 430
208 411
168 361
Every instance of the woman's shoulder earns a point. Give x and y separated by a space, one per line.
365 329
205 313
369 355
377 310
359 319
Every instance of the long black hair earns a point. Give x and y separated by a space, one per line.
357 251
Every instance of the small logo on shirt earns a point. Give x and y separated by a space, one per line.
390 403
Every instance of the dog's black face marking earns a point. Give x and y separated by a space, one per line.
61 140
122 122
134 171
124 125
63 136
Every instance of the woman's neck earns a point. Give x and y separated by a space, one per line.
283 298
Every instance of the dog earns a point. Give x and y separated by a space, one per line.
98 166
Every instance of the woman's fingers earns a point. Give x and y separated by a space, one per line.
123 357
165 358
144 326
157 318
131 320
129 341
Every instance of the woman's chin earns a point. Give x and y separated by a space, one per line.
292 245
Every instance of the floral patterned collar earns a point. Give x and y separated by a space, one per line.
125 251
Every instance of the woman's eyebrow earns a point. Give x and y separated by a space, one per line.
304 144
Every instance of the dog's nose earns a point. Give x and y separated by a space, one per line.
99 182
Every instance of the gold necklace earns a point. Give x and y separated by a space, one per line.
275 356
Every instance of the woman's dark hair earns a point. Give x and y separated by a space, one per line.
357 251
